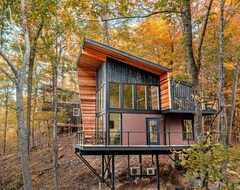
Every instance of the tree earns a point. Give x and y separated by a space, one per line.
17 76
30 73
221 74
204 161
233 102
6 93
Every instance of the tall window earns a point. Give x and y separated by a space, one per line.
153 98
141 97
101 129
188 132
128 96
115 128
114 95
101 99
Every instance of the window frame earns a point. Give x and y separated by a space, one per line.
109 130
146 97
123 97
120 95
101 99
184 134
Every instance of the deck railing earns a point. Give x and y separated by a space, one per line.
129 138
187 103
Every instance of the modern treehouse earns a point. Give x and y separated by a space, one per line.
130 106
68 108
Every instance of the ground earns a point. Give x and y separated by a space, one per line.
73 174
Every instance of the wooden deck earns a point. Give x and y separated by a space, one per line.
127 150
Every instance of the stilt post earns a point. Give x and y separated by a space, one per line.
158 176
113 174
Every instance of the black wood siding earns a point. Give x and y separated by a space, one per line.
120 72
68 107
182 95
101 75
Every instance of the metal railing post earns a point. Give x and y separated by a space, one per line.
169 141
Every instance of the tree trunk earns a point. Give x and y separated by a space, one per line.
194 69
18 80
233 101
5 127
106 32
23 138
29 100
30 78
34 110
221 75
55 147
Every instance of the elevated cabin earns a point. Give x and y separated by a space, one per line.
126 100
131 106
68 107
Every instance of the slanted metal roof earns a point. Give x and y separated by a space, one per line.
93 53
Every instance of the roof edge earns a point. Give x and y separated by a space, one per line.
80 52
87 40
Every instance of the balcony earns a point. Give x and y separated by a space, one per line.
182 100
129 142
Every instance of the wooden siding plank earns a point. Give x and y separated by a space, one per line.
165 92
87 91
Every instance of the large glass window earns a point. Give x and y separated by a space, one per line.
115 128
114 95
188 132
141 97
153 98
128 96
101 99
101 129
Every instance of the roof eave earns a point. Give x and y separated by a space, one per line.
86 40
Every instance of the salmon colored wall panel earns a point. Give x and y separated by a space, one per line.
135 124
174 126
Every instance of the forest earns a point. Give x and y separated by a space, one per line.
39 46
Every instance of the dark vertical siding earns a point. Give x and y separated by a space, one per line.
182 95
101 75
120 72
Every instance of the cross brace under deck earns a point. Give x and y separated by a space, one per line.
107 175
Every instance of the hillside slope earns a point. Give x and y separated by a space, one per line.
73 174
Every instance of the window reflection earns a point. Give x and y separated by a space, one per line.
153 131
115 128
188 129
128 96
153 98
141 97
114 95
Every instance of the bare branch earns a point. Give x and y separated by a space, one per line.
215 116
8 75
203 34
137 16
11 19
9 62
7 104
26 55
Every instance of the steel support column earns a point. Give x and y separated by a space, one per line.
113 175
103 173
158 175
140 163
